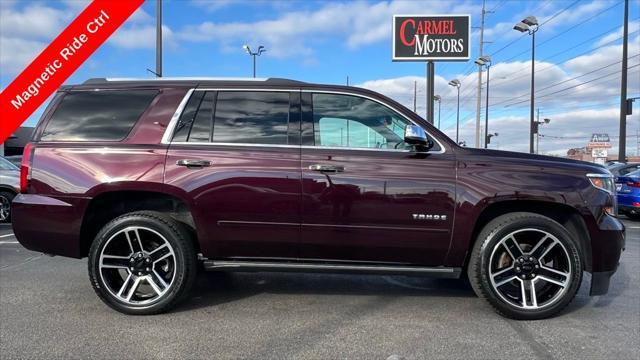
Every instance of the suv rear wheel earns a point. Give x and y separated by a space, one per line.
526 265
142 263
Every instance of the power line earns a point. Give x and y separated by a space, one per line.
562 82
567 31
560 12
573 86
558 54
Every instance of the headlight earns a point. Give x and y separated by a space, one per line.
603 182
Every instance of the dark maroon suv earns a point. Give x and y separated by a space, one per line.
153 179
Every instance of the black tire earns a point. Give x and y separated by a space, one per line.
634 217
184 265
6 197
490 243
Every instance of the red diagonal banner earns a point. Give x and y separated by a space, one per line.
60 59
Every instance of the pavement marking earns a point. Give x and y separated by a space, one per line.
6 235
8 242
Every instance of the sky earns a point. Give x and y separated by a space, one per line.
578 56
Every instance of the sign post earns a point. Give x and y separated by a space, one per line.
431 38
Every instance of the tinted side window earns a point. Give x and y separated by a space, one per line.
201 128
251 117
107 115
188 115
352 121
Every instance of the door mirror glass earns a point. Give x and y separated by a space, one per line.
416 136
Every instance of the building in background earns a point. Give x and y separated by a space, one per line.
16 142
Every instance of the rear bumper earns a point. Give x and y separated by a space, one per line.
49 225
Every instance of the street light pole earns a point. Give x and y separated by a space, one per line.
533 87
485 61
438 98
530 25
254 65
261 49
158 38
456 83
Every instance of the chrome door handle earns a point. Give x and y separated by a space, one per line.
193 163
326 168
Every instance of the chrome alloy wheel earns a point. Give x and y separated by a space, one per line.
530 269
137 265
5 208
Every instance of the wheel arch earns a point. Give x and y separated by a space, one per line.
9 189
108 205
566 215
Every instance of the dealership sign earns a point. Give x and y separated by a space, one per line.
599 141
431 37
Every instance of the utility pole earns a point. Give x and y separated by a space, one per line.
431 74
347 80
415 94
622 151
538 132
479 95
158 38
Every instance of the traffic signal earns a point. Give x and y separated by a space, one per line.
629 106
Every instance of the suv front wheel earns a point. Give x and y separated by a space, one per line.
526 265
142 263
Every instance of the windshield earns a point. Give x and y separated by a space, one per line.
7 165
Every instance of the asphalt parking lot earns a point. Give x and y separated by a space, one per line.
49 310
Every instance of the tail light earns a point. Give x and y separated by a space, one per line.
25 168
633 184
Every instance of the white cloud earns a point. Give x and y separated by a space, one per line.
356 23
576 113
140 37
33 22
26 31
503 31
633 27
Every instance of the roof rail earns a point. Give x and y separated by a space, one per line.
191 79
102 80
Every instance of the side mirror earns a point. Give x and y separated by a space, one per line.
416 136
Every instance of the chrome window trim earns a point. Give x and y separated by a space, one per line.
168 133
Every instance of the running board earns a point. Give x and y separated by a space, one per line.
266 266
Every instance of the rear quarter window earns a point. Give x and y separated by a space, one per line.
107 115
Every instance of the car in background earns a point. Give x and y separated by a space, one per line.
628 188
621 169
9 187
15 160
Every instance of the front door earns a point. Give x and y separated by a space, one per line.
367 196
236 156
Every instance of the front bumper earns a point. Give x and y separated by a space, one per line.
607 245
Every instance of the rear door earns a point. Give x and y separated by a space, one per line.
236 155
366 196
